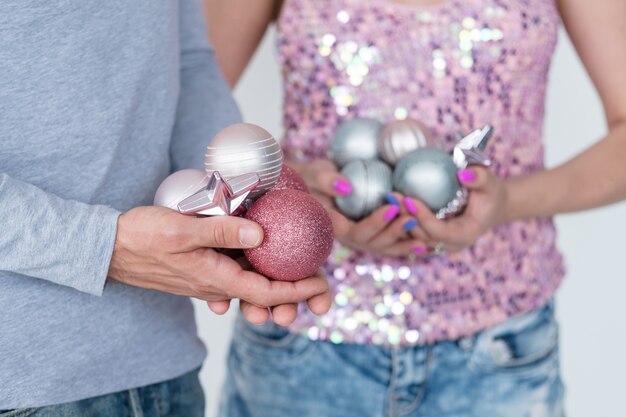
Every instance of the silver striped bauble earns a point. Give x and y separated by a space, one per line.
355 139
428 174
244 148
371 181
400 137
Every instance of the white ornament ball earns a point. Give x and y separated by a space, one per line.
244 148
356 139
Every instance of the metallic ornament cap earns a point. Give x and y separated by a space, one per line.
469 149
220 197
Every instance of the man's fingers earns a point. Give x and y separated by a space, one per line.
224 232
284 314
262 292
219 307
320 304
254 314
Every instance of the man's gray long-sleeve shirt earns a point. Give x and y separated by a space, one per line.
99 102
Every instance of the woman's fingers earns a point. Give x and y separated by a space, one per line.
331 183
475 177
321 175
434 228
365 230
407 247
341 224
392 233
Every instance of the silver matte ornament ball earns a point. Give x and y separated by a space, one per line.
428 174
371 181
242 149
178 186
400 137
356 139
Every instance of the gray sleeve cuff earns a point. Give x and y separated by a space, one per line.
95 253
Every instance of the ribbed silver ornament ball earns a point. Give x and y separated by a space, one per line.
371 181
244 148
428 174
400 137
354 140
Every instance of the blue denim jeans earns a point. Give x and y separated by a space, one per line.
179 397
510 370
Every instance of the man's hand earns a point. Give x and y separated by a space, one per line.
160 249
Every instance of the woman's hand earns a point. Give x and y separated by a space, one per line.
385 231
486 208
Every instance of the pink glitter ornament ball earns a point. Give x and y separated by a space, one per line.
290 180
298 235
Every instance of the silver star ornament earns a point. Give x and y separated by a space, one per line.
220 197
469 149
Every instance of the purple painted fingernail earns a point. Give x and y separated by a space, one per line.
391 213
419 250
391 199
466 176
408 226
343 187
410 206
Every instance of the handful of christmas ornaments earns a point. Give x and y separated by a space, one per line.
400 156
244 176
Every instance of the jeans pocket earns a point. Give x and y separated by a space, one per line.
526 344
269 343
18 412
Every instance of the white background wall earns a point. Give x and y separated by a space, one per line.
591 304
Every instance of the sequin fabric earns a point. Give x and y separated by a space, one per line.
455 66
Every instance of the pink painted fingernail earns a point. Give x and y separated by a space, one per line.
391 213
466 176
343 187
410 206
419 250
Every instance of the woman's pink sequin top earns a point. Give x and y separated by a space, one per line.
455 66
